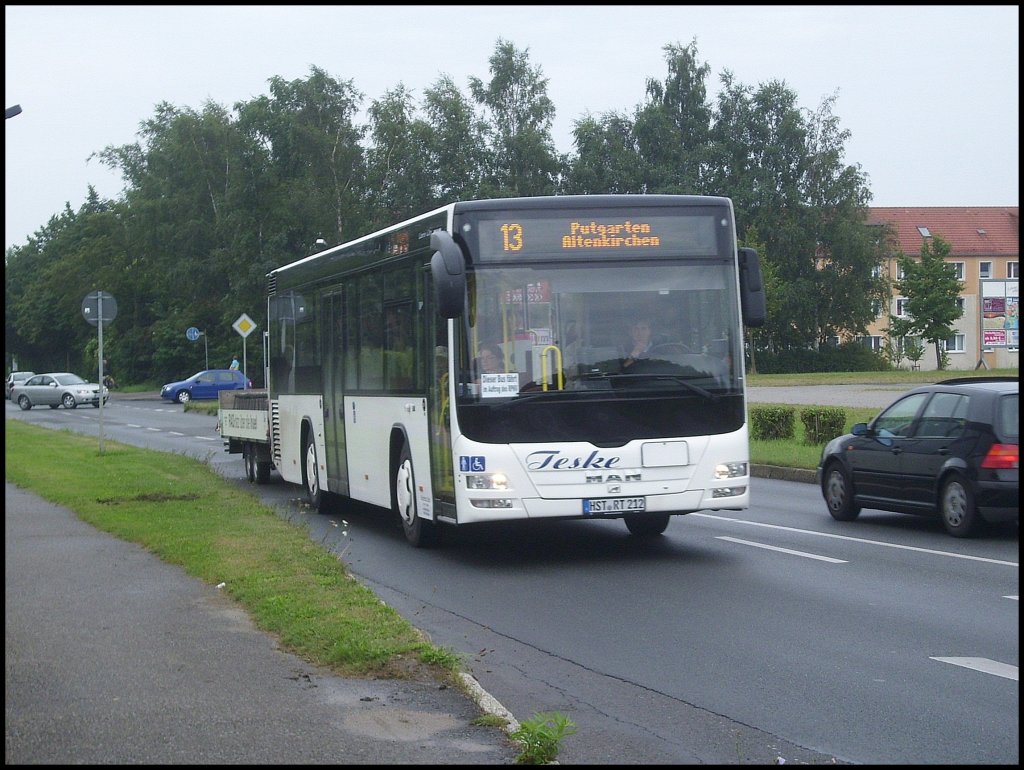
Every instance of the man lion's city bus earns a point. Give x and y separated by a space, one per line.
375 390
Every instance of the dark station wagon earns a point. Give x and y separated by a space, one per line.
951 449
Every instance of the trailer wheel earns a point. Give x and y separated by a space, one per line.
249 457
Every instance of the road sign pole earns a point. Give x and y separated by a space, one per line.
94 312
99 326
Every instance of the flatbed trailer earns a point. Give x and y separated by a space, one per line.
243 419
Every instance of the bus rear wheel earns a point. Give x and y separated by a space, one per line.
418 531
313 489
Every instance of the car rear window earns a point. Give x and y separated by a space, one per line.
1009 416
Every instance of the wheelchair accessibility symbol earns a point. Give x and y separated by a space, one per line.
472 463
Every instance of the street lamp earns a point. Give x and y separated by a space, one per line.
10 112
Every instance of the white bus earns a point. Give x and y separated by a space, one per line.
376 391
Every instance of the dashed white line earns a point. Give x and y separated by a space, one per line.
783 550
859 540
985 665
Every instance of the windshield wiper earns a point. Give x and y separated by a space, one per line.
677 378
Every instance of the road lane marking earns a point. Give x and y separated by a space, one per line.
175 433
984 665
783 550
858 540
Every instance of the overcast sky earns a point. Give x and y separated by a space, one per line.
929 94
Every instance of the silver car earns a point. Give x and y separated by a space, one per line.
15 378
58 389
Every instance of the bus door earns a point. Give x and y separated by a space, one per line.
333 336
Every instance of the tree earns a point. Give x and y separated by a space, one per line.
457 143
672 128
932 290
398 161
607 159
523 156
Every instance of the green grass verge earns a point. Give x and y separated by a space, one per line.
180 509
795 453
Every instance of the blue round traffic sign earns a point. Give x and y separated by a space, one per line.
192 333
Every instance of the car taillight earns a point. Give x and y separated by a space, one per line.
1002 456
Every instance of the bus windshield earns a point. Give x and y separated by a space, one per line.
565 330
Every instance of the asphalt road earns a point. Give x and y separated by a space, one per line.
157 664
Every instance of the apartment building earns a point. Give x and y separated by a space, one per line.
985 251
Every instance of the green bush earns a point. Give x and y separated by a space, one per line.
772 423
540 737
822 424
848 357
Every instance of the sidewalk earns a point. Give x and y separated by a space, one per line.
115 657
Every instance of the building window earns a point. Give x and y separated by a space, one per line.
925 232
1013 269
958 270
956 344
876 308
901 307
984 269
873 342
960 305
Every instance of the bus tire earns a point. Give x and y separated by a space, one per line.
418 531
647 524
314 491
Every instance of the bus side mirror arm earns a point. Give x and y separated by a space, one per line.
752 299
448 269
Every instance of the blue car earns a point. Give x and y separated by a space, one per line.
205 385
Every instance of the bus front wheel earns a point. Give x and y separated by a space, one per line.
647 524
418 531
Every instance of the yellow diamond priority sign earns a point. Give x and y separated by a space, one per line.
244 325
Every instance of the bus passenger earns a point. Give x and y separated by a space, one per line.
489 359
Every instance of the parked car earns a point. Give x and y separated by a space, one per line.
58 389
205 384
15 378
951 449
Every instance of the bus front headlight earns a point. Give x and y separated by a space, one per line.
730 470
487 481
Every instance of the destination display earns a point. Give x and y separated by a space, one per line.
595 237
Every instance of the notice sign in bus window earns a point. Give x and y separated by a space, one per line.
589 236
501 385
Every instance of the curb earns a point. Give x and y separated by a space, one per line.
783 473
488 703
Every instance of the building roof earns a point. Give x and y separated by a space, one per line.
970 230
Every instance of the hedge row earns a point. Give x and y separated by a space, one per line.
777 423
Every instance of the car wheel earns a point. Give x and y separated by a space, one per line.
313 489
956 506
183 397
647 524
69 401
418 531
24 403
838 493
